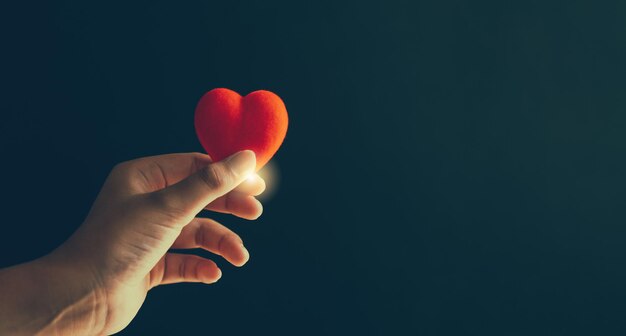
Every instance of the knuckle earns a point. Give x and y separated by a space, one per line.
126 168
166 205
225 237
200 237
202 157
215 176
121 171
159 200
121 167
182 269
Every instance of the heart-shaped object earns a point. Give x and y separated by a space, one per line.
227 123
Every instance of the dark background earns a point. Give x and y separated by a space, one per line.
451 167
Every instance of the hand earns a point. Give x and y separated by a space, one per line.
96 282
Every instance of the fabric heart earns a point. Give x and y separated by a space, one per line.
226 123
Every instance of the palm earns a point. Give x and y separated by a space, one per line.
139 236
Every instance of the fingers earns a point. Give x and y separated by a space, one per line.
174 268
157 172
253 185
214 237
191 195
237 204
240 202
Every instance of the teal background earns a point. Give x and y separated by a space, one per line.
451 167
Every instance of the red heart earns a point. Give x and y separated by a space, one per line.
226 123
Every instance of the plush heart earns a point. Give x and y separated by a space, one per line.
226 123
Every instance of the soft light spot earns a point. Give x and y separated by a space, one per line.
271 175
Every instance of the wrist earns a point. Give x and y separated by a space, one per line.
81 306
47 296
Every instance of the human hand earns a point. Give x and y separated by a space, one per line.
146 207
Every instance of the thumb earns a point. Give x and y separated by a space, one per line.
192 194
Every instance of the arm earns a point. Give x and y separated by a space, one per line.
96 281
48 298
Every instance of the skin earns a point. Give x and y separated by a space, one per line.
95 282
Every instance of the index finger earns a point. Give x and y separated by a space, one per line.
154 173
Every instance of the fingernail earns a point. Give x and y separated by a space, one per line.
260 205
245 253
242 163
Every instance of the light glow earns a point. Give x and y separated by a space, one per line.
271 175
